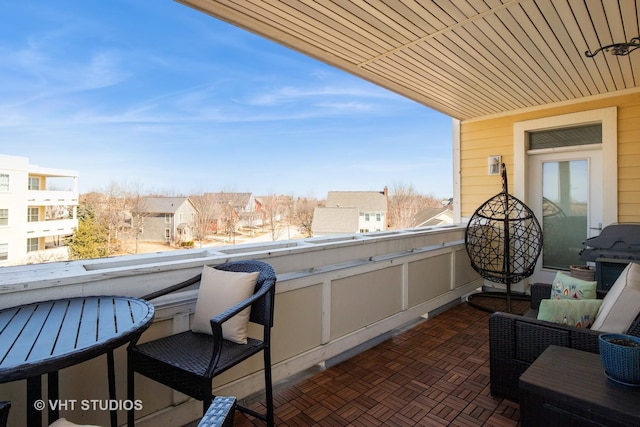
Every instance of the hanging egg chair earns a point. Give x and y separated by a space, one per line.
503 240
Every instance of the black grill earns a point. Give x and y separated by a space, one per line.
616 246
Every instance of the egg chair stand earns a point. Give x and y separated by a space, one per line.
503 240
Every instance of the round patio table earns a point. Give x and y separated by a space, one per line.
44 337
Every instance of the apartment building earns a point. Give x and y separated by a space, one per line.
38 209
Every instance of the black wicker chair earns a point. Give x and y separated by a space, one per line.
516 341
4 412
188 361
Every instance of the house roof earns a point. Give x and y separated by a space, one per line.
235 199
162 204
333 220
432 216
465 58
365 201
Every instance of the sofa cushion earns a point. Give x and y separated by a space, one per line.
571 312
621 304
219 291
567 287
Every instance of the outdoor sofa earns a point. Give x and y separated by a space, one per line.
515 341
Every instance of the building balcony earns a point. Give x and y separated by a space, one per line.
335 297
52 198
58 227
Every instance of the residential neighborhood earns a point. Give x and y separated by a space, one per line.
37 219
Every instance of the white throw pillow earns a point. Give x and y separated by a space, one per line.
219 291
621 304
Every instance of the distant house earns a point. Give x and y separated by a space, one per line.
433 216
239 209
351 212
167 219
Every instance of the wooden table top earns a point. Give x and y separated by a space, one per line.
579 375
47 336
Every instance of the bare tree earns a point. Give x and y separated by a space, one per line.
230 219
288 212
209 211
405 203
303 215
135 204
272 213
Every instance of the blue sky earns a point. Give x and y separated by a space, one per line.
167 99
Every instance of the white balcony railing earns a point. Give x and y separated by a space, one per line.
48 228
52 198
333 296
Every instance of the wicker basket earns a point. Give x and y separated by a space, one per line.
620 355
582 272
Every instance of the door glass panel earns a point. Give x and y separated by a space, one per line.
565 209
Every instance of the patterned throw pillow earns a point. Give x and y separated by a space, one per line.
567 287
571 312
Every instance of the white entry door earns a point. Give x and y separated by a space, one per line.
565 189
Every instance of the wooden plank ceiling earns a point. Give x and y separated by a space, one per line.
465 58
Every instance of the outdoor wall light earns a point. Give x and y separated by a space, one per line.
494 165
618 49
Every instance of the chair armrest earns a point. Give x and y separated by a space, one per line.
539 291
217 321
173 288
220 413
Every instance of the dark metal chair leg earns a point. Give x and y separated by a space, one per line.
131 415
34 393
4 413
112 386
52 383
268 387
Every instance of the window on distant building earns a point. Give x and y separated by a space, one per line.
367 217
34 183
4 182
167 233
167 218
33 215
4 251
32 244
378 217
4 216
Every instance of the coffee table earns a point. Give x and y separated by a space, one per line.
568 387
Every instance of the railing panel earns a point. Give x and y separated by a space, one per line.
360 300
429 278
